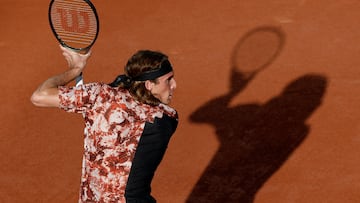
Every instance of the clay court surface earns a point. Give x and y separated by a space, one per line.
289 133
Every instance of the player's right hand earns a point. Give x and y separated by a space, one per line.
75 60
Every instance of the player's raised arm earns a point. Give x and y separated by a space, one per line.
46 95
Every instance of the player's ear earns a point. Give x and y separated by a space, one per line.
149 85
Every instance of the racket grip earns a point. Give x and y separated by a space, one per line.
79 80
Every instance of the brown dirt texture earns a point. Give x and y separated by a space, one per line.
267 94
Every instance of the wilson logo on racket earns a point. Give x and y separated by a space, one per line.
74 21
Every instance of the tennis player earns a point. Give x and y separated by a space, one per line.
128 124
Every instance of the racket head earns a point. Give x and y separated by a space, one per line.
75 23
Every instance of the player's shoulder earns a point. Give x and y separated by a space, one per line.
169 111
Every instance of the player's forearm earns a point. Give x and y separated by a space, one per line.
46 95
60 80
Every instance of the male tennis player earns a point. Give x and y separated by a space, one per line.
128 124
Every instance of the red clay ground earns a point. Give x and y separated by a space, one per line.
290 133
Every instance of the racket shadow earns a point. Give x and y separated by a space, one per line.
254 52
255 139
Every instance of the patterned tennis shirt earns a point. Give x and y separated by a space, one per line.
124 142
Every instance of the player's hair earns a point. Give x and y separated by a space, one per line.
141 63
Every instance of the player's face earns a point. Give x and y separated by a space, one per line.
164 88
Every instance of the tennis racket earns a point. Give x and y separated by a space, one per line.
75 24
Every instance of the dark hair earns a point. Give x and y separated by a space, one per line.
141 62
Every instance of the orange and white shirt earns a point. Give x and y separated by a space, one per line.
124 141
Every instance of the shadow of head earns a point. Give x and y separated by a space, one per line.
299 98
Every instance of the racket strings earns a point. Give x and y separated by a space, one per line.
74 22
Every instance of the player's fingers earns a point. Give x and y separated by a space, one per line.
65 52
66 56
68 51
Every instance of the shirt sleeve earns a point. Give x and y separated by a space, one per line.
77 99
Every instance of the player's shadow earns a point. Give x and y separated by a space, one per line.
255 139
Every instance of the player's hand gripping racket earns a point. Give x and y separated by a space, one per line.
75 25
